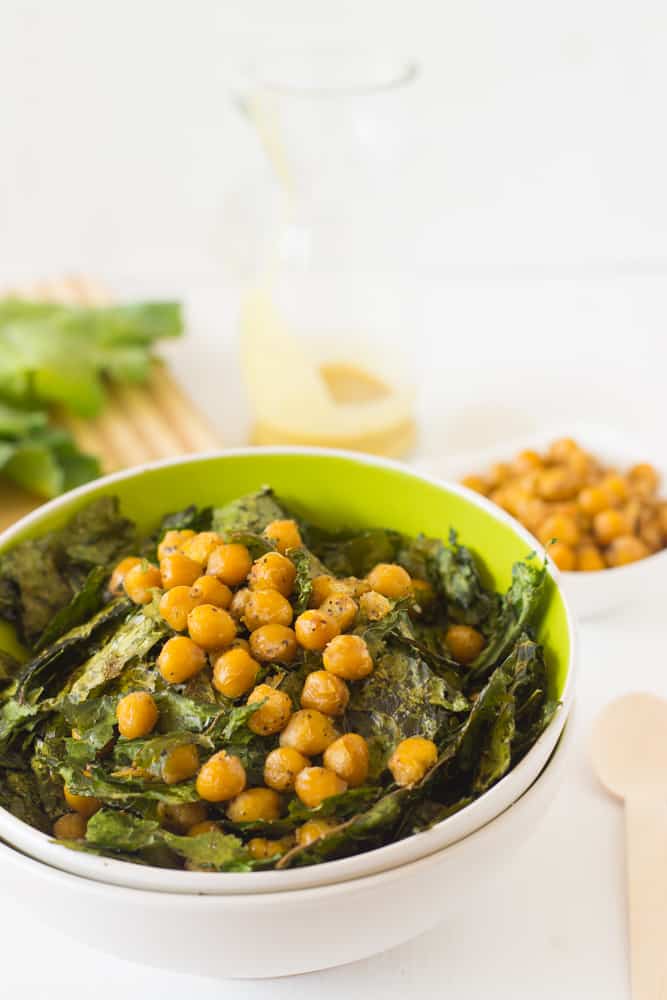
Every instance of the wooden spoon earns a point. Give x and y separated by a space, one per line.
629 755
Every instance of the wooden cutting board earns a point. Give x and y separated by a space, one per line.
140 423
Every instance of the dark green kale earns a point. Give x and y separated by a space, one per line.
250 513
191 518
58 711
41 576
353 553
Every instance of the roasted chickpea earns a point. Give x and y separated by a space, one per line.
211 627
71 826
210 590
315 784
348 758
531 512
136 714
626 549
238 605
273 643
85 805
560 526
322 587
325 692
313 829
314 629
559 483
341 608
643 479
610 524
391 580
175 606
120 572
662 517
266 607
206 826
255 804
262 849
375 606
230 562
178 570
411 759
273 571
592 500
527 460
234 673
562 449
222 777
274 714
283 534
182 816
589 558
200 546
464 642
616 489
140 581
563 555
180 659
348 657
499 473
650 530
308 731
476 483
173 541
180 764
281 768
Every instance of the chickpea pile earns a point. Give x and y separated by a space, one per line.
233 616
600 518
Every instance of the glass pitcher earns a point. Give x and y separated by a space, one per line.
325 324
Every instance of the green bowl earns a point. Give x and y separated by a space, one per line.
333 489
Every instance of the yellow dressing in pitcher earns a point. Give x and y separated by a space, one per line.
303 393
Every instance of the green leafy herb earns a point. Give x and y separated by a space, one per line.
43 459
59 354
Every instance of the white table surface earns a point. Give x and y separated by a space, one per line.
555 927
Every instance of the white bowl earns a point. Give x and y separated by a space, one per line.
590 594
119 873
284 933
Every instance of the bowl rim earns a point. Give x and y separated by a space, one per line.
323 892
599 436
450 830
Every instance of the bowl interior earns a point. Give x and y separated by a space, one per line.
331 489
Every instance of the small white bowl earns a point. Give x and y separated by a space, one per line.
590 594
284 933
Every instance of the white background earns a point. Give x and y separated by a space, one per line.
537 227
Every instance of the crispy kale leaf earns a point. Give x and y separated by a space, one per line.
352 553
41 576
123 832
513 613
250 513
